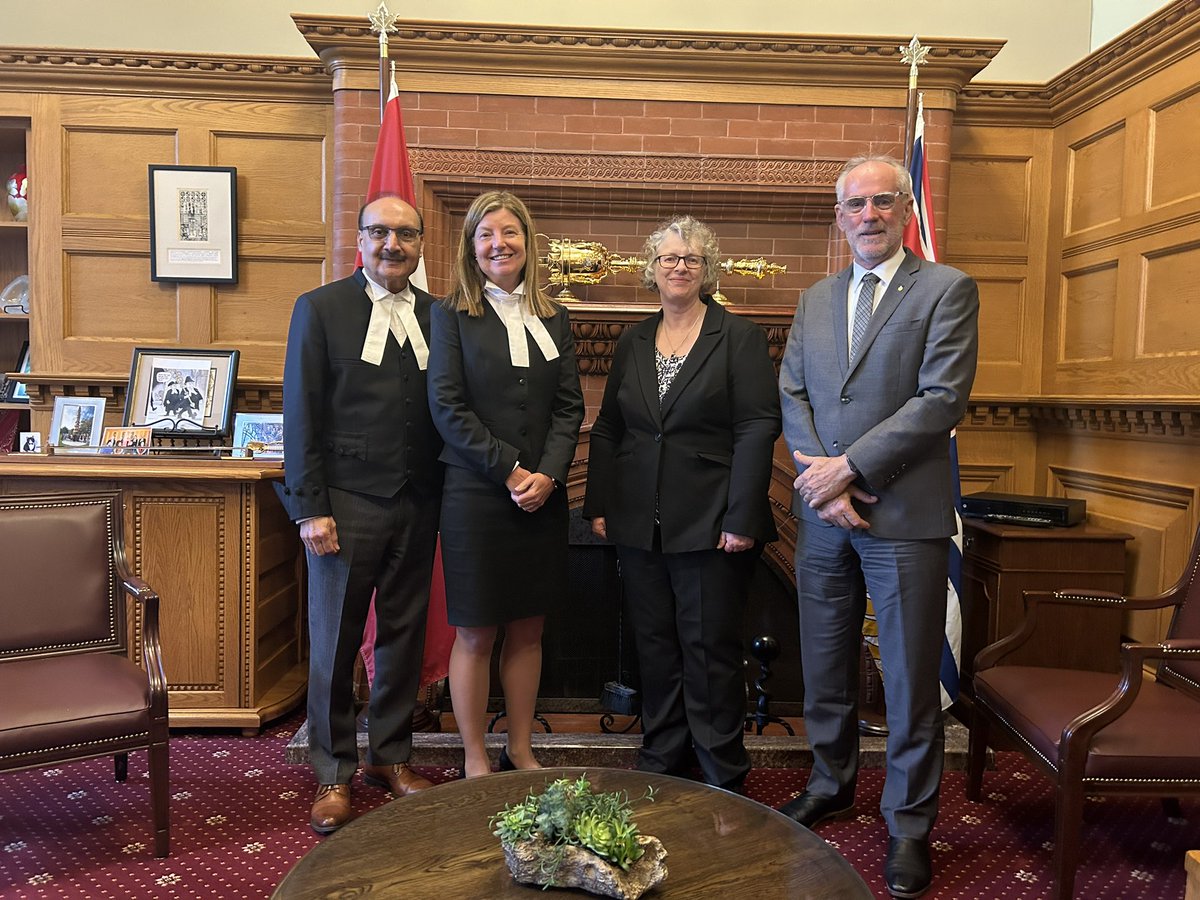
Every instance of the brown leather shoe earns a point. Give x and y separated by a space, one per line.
397 778
331 808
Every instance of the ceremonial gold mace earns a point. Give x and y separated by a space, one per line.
588 262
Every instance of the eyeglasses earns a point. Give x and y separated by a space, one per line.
882 202
380 233
670 261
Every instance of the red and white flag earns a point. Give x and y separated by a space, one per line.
391 174
390 171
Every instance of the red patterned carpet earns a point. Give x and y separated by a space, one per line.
239 823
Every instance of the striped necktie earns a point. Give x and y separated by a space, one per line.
862 311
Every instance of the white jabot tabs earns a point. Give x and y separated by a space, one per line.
517 319
393 312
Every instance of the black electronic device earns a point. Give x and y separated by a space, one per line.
1019 509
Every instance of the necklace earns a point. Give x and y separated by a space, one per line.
673 346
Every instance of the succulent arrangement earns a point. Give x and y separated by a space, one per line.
566 816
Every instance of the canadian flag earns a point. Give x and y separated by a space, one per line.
390 171
391 174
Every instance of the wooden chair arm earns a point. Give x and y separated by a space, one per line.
992 654
1077 735
146 596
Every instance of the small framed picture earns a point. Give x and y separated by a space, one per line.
29 442
193 224
259 435
127 441
77 421
176 391
17 391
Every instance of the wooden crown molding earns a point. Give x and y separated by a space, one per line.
1163 39
1139 417
634 63
141 74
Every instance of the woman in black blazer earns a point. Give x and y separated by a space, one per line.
678 472
504 394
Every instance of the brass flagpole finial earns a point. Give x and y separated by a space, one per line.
383 22
913 54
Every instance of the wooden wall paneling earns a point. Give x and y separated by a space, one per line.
997 450
282 157
284 234
1174 177
1150 491
1167 314
1120 156
999 190
1096 193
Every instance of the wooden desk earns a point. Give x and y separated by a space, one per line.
437 844
1001 561
211 537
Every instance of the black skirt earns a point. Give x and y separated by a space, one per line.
500 562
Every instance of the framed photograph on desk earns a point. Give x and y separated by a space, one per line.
77 422
258 434
181 392
193 224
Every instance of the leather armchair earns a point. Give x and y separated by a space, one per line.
1097 733
70 690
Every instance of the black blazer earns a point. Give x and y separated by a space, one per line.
706 454
492 414
347 423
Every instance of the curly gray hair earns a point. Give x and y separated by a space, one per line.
697 235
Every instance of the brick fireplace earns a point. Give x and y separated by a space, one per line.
604 133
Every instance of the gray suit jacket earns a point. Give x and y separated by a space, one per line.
892 411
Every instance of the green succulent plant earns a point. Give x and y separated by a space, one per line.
569 813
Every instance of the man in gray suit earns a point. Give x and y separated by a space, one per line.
877 371
365 486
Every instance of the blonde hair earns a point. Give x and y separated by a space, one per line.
466 294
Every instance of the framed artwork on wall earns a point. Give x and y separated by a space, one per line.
193 224
181 392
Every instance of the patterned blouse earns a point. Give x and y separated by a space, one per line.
667 367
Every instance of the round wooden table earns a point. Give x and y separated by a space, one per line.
437 844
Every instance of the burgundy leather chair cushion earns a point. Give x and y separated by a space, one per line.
1155 739
52 702
65 577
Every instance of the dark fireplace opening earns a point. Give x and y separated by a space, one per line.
587 641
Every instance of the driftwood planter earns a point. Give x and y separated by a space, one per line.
580 868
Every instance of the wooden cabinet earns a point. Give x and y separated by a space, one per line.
14 262
212 539
1002 561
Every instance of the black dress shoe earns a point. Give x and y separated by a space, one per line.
908 872
810 810
506 764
